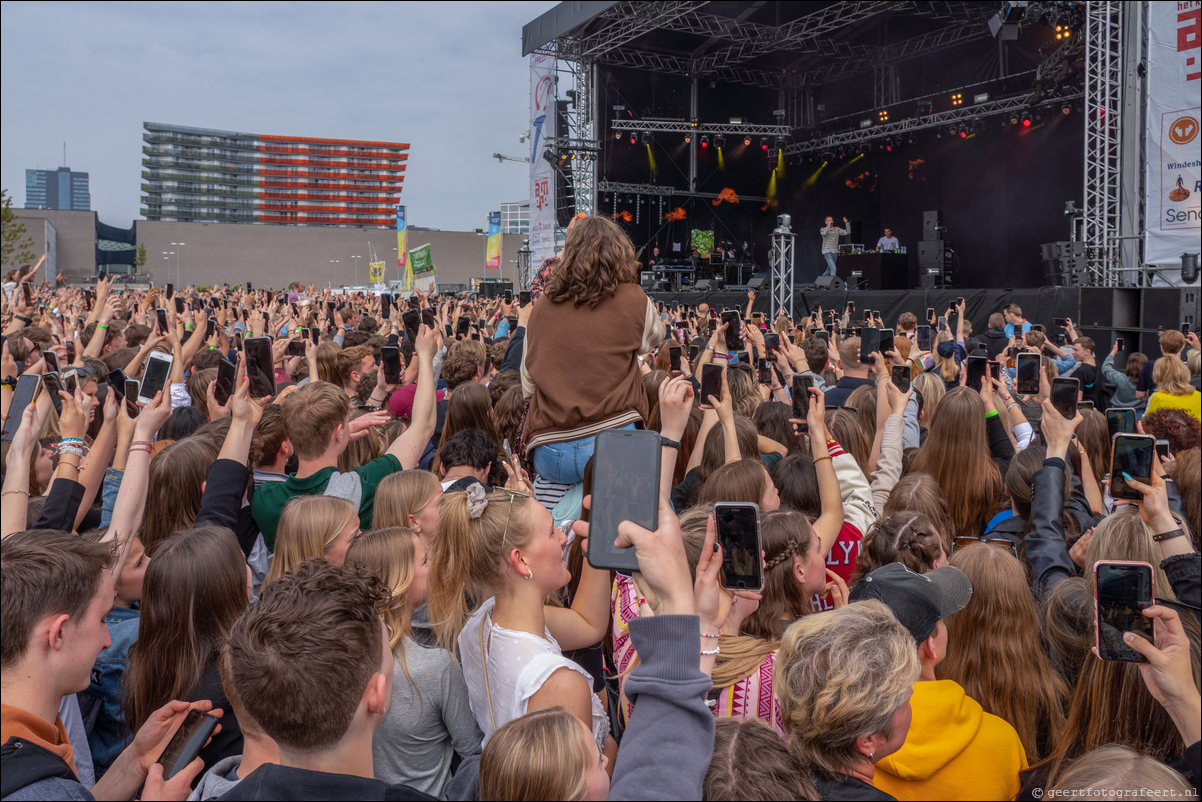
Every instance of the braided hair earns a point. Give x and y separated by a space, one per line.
905 537
787 536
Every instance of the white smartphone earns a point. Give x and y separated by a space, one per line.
154 378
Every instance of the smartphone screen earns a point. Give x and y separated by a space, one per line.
942 322
70 381
1131 455
1162 450
886 343
1185 328
674 357
132 390
463 325
901 377
210 327
179 305
524 297
160 317
1064 396
297 347
315 335
1059 321
693 351
734 336
23 395
411 319
978 366
1118 341
772 342
259 367
186 744
508 296
930 312
51 386
625 488
237 341
116 379
385 305
330 308
51 360
922 338
711 383
995 370
1120 420
801 396
224 388
390 356
738 532
1027 367
1123 591
764 372
158 369
170 291
870 343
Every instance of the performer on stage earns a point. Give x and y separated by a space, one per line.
654 258
830 243
888 242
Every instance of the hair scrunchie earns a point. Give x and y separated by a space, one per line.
477 500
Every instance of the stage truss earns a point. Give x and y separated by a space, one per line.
609 38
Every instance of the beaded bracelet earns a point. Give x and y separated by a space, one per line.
71 440
13 492
141 443
709 636
711 652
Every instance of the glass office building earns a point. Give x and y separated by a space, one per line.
61 189
203 175
515 217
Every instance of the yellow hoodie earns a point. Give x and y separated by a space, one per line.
954 750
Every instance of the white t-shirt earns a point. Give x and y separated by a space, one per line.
518 665
888 243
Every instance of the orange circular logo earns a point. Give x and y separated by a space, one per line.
1183 130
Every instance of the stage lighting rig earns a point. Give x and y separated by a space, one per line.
705 141
746 140
957 99
763 143
688 138
883 115
720 141
646 137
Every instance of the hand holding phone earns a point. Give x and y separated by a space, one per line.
625 487
737 531
1122 591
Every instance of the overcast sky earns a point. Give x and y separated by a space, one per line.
447 78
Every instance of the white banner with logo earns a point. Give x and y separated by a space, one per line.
1174 180
542 187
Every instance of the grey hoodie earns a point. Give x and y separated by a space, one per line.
217 780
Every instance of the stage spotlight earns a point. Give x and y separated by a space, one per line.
646 137
963 133
705 141
953 131
720 141
883 115
746 140
1026 119
779 143
617 134
688 138
957 99
1014 119
634 140
1066 109
763 143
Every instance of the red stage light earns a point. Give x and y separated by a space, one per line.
632 140
963 133
1027 123
764 146
705 144
888 147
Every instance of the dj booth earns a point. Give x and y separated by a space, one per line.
873 270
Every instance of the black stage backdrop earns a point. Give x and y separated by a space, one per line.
1001 191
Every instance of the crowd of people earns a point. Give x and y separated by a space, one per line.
369 561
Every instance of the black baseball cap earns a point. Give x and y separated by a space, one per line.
919 601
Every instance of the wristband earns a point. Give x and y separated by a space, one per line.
26 320
666 443
991 414
100 327
1168 535
816 460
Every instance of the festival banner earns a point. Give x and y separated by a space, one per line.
375 273
1174 177
542 187
401 237
492 257
422 260
703 241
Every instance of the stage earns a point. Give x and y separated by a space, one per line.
1137 315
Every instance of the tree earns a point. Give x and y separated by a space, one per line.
140 259
14 244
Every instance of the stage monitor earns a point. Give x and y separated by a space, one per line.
931 225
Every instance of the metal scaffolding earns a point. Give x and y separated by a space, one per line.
1103 140
782 267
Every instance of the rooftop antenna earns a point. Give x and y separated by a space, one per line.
64 154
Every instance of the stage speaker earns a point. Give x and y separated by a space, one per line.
831 283
930 225
702 286
647 280
756 283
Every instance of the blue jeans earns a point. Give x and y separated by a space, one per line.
830 264
563 463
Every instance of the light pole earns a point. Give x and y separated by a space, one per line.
179 278
167 255
335 263
356 258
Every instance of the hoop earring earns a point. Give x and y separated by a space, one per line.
529 574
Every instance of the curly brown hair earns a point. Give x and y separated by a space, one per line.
1178 427
597 257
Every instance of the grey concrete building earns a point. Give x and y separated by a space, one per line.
268 256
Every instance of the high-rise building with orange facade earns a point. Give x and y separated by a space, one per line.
202 175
